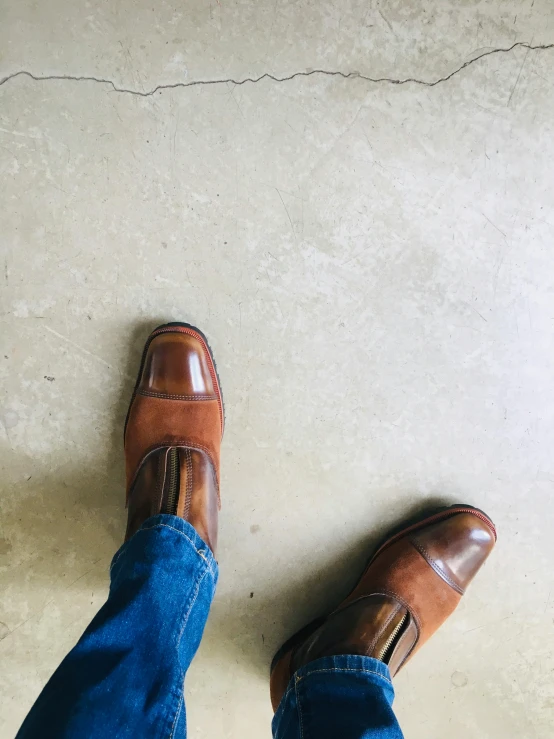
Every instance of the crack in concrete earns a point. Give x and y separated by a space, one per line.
268 76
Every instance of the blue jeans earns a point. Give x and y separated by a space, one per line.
125 677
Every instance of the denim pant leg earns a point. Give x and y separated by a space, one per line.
125 677
346 696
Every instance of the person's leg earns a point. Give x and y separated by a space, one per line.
125 676
347 696
333 677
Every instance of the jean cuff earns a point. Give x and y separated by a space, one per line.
373 668
182 528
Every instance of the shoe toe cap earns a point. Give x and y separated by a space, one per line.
457 547
176 364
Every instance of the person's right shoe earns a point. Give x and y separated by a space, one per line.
411 585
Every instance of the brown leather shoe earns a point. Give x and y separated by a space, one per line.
173 432
411 585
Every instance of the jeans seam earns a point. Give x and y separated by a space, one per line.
296 681
289 690
185 621
177 714
346 669
193 601
117 557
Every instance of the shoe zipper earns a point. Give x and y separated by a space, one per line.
173 482
384 652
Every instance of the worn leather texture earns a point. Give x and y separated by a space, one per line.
455 548
363 627
198 494
158 422
146 500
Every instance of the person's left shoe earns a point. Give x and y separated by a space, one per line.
410 587
173 432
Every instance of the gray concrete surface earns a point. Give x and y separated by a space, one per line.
373 264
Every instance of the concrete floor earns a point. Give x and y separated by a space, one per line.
371 258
